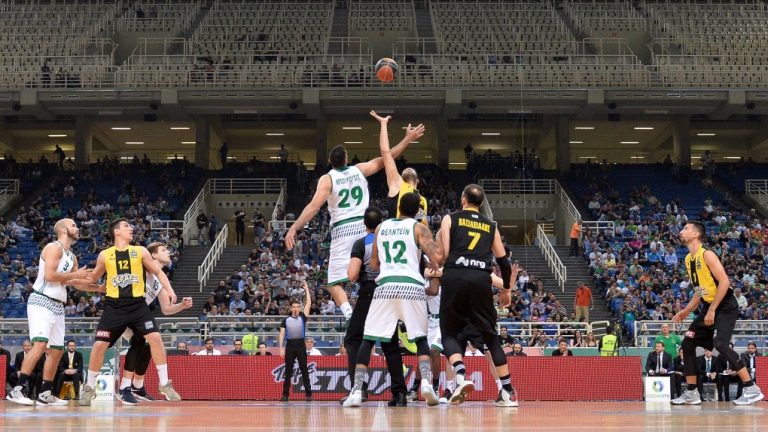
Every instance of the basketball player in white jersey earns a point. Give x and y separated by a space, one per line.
345 189
138 356
45 312
400 294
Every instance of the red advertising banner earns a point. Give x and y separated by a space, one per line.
536 378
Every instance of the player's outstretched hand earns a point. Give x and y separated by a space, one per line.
505 298
412 134
680 316
380 118
187 302
82 273
290 239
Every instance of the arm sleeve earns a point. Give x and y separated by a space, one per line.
506 270
282 324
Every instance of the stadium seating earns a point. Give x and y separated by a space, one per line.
382 16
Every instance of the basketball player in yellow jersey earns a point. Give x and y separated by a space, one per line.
125 307
719 311
399 185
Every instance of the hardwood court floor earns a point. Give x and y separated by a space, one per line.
326 416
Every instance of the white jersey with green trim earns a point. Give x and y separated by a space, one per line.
399 254
153 288
433 302
55 290
349 194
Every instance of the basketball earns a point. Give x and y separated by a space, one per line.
386 69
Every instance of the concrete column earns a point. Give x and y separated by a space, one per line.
563 144
681 136
83 141
442 143
203 144
321 148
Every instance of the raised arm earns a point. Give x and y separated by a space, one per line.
307 299
428 244
375 165
321 196
394 179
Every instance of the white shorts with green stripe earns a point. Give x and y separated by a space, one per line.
395 301
46 321
434 337
343 236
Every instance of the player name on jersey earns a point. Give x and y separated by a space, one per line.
349 179
395 231
469 223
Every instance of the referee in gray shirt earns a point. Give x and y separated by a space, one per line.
293 328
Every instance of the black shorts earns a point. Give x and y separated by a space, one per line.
119 315
467 298
354 334
725 321
470 334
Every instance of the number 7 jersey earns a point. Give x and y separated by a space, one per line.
349 194
399 253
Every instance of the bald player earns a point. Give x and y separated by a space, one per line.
45 312
398 184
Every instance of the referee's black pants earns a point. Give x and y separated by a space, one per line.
354 337
295 349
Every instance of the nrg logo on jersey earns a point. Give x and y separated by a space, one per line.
470 262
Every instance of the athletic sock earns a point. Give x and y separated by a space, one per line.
125 383
92 378
46 387
346 309
748 384
459 368
506 383
450 385
361 376
499 385
692 387
425 366
138 382
23 378
436 384
162 374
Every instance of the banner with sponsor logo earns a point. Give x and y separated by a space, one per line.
657 389
535 378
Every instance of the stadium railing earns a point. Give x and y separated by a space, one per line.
9 191
209 263
758 190
555 264
745 331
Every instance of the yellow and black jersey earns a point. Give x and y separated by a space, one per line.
126 274
393 203
701 276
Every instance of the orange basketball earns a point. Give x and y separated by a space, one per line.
386 69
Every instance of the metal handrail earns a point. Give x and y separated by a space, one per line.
750 330
247 186
281 199
190 217
757 189
555 264
9 189
511 186
209 263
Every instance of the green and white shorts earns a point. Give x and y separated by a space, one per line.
46 320
393 302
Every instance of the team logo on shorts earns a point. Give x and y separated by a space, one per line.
658 386
149 325
103 333
101 384
690 334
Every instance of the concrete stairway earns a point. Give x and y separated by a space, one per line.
339 29
185 281
424 30
579 272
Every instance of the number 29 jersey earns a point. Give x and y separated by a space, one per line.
349 194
